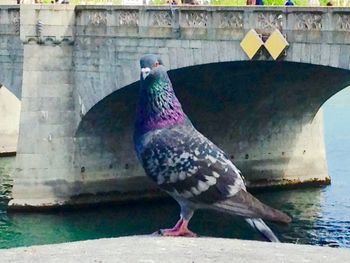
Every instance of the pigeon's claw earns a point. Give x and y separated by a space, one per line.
180 229
184 232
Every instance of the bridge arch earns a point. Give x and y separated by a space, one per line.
188 37
262 113
92 88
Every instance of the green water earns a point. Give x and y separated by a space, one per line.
321 216
310 225
5 179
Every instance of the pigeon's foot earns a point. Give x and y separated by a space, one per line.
180 229
177 233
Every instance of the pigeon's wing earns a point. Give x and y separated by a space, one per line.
186 164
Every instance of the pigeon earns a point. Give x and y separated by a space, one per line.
184 163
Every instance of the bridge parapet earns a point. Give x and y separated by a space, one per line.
213 23
47 24
9 20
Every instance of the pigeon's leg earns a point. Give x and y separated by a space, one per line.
181 227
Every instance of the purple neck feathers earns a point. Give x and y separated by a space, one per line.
158 106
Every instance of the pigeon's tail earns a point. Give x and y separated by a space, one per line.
260 225
246 205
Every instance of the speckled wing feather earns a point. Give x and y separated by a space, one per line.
187 165
195 171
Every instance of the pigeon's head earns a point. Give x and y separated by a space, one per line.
149 63
158 106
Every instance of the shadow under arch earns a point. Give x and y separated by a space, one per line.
259 112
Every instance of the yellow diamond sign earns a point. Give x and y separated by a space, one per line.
251 43
275 44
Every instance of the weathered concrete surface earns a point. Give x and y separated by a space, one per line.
153 250
78 65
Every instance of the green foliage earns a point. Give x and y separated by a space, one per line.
266 2
159 2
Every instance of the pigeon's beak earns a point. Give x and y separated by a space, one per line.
145 72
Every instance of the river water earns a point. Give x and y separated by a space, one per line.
321 216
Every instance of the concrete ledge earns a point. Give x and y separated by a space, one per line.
160 249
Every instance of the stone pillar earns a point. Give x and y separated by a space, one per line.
44 159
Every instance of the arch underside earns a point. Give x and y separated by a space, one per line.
8 79
262 113
11 64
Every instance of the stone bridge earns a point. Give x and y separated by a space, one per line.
75 70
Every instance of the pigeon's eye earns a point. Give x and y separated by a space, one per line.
156 64
145 72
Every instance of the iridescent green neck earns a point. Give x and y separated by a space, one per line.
158 106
